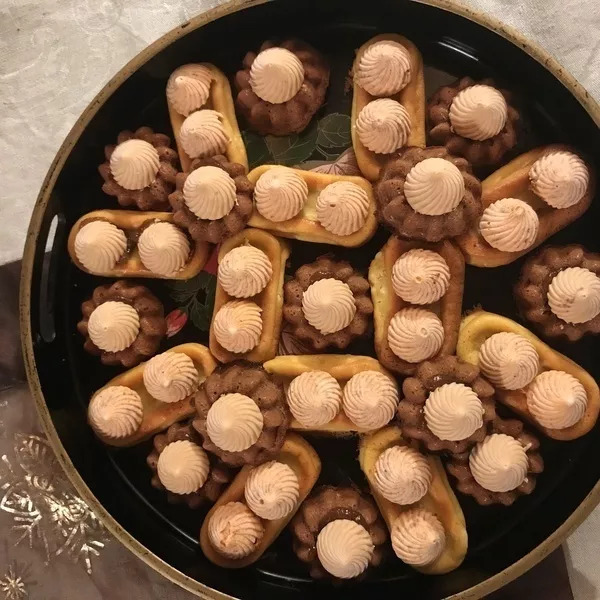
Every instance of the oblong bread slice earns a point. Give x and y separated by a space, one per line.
221 100
386 303
512 181
412 97
477 327
340 366
298 454
305 226
158 415
270 299
439 499
131 265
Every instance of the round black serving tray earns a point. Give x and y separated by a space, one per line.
503 542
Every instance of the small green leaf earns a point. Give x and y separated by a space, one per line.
200 316
198 297
292 149
334 131
256 148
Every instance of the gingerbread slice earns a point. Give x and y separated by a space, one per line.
297 454
480 325
439 500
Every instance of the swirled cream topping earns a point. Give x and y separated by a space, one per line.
113 326
314 398
238 326
402 475
499 463
509 225
561 178
99 245
164 248
508 360
203 134
116 412
170 376
420 276
344 548
280 194
276 75
209 192
328 305
384 69
134 164
478 112
556 399
234 422
188 88
272 490
234 530
418 537
574 295
183 467
453 412
342 207
245 271
434 186
370 399
383 126
415 334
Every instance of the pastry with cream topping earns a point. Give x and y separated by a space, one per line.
140 169
122 323
446 406
327 303
281 87
234 530
164 249
100 245
476 120
115 412
280 194
170 376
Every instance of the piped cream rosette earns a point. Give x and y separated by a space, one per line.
558 391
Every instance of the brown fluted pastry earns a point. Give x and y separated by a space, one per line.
152 324
327 268
214 231
394 211
242 377
329 504
416 389
479 153
156 195
219 474
458 466
531 291
294 115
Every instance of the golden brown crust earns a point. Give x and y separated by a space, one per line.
300 456
512 181
221 100
341 367
395 213
158 415
531 290
478 153
270 299
155 196
153 326
412 97
252 380
305 225
476 328
218 476
429 376
215 231
130 264
323 268
327 504
440 499
458 467
294 115
387 303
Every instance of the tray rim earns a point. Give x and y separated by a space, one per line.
535 51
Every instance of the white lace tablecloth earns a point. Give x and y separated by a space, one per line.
55 55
